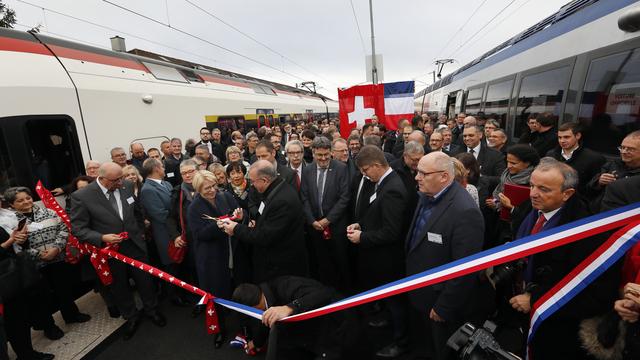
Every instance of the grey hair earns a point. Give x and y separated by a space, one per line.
176 140
413 147
251 134
493 122
321 142
293 142
11 193
150 164
444 163
115 149
268 171
338 140
442 130
202 146
372 140
569 174
188 162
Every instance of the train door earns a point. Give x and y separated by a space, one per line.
36 148
264 117
454 103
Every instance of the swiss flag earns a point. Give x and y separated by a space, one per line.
358 104
391 102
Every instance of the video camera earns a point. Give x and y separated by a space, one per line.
473 343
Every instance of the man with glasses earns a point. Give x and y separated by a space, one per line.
294 150
377 234
626 166
325 198
118 156
100 213
447 226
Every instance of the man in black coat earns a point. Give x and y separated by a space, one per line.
546 138
325 199
447 226
456 132
324 337
406 168
377 233
554 203
99 213
620 193
492 162
278 233
172 163
571 152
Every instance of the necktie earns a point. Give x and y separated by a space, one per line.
471 151
539 224
113 202
298 180
321 178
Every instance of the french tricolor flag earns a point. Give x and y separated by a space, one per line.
391 102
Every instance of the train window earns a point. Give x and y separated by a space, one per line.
539 93
162 72
7 173
496 104
474 98
610 106
262 89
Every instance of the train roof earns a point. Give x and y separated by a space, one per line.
564 20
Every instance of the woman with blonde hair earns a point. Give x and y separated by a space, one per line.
462 177
132 174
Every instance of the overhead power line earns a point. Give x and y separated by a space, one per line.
123 33
184 32
483 26
460 29
353 10
226 23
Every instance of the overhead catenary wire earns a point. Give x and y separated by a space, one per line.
355 17
479 30
460 29
123 33
184 32
236 29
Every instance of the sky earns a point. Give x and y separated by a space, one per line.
291 41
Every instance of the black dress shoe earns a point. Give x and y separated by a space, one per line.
113 312
218 340
53 332
79 318
378 323
131 326
391 351
158 319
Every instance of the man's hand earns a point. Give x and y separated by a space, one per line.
354 236
57 191
490 203
111 238
49 254
521 302
324 222
433 315
275 313
179 242
227 226
238 214
316 225
352 227
606 179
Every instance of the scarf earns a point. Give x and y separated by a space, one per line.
521 178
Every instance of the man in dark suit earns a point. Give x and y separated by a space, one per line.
378 232
172 163
456 132
406 168
325 198
447 146
492 162
277 236
403 137
99 213
447 226
554 203
571 152
547 137
295 150
266 151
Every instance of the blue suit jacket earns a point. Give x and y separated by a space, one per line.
156 200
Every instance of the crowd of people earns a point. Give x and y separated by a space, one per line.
290 218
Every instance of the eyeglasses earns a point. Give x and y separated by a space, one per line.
422 173
187 172
627 149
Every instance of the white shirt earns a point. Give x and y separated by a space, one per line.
476 150
386 173
550 214
568 156
116 193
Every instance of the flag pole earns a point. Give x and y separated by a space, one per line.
374 69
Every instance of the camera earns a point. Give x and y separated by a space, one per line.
473 343
506 272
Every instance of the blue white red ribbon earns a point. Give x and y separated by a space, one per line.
584 274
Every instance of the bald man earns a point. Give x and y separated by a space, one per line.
100 212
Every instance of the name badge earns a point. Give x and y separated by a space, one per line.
130 200
170 175
261 208
373 198
434 238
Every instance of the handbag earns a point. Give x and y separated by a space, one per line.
17 274
176 254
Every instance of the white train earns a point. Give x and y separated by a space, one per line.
578 63
63 103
